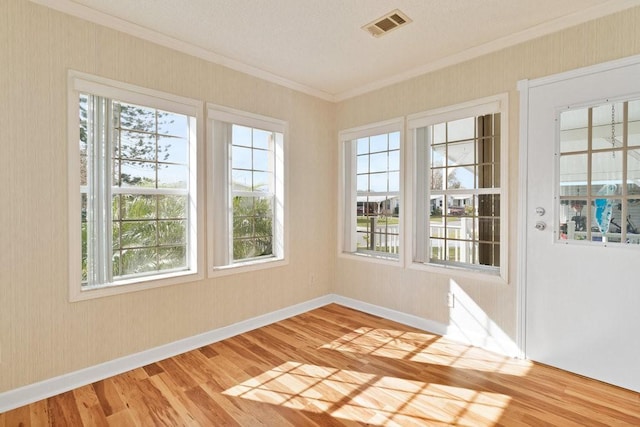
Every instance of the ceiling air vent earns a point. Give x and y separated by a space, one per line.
388 22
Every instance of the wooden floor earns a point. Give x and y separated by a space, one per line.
337 367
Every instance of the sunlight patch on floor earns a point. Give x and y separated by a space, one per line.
368 398
426 348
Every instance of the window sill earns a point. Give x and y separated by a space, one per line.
242 267
134 285
491 276
373 258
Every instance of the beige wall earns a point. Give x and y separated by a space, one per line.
425 294
43 335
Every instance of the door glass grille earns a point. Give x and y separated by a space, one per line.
599 174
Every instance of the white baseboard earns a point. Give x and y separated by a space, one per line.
41 390
396 316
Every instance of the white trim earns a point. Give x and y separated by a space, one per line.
41 390
550 27
83 12
386 126
390 314
524 86
488 105
521 295
478 107
581 72
87 83
347 191
108 88
219 213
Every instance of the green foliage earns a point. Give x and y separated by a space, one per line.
252 227
149 234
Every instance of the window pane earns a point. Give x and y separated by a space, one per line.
394 141
573 219
606 173
362 164
252 227
241 135
378 143
363 146
438 154
436 206
137 206
378 182
137 174
261 160
461 177
241 157
137 146
462 129
136 234
394 160
633 221
173 124
173 150
133 261
459 221
439 133
173 176
461 153
488 205
607 124
363 183
377 171
574 130
172 257
135 117
262 182
149 150
241 180
634 123
437 179
172 232
378 162
573 175
633 172
172 207
394 181
261 139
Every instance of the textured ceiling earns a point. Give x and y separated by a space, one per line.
320 46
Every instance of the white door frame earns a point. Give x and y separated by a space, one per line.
523 88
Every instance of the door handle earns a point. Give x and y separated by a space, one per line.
540 226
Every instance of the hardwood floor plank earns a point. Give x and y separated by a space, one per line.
335 367
89 407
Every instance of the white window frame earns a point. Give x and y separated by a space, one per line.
220 225
85 83
347 207
417 186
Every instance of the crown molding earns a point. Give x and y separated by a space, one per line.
88 14
607 8
83 12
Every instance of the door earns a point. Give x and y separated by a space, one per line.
582 281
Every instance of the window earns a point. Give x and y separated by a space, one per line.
248 210
372 191
134 185
599 173
460 205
